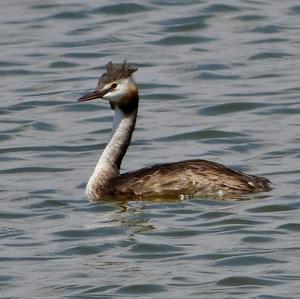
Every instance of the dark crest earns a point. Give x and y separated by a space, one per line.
116 71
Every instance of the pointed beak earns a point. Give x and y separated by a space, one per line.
93 95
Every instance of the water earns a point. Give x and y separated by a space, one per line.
218 81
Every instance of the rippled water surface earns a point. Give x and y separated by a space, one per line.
219 80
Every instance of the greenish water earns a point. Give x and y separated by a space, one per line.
217 81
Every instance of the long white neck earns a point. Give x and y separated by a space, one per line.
108 166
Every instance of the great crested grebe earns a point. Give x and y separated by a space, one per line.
162 181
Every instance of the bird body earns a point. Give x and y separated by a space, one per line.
182 180
192 178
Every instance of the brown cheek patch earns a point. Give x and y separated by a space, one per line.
130 102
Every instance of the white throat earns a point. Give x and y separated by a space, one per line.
118 117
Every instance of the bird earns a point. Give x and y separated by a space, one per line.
178 180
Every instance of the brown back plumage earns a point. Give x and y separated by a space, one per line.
187 178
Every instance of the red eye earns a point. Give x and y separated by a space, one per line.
114 85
